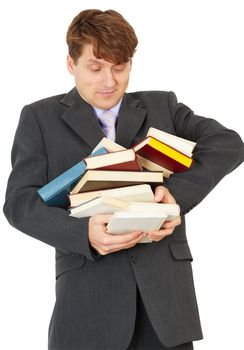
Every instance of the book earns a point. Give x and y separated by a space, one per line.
136 193
94 180
151 166
112 146
120 160
109 145
99 205
124 222
162 154
55 192
183 145
142 216
171 210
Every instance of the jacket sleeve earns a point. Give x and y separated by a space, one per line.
218 152
23 207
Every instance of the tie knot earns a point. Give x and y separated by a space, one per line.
108 118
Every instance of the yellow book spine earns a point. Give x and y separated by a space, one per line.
170 152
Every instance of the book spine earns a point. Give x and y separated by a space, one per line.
65 180
59 183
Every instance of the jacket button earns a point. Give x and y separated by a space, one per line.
134 259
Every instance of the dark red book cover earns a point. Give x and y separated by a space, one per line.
161 159
133 165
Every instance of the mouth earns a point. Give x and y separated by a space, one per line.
107 93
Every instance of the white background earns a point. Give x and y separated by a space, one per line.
194 48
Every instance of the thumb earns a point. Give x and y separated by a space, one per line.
159 193
102 218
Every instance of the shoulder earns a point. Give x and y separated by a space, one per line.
156 98
47 102
43 112
153 96
56 100
150 94
50 107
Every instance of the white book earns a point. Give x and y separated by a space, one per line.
119 160
182 145
100 205
110 145
172 211
136 193
124 222
142 214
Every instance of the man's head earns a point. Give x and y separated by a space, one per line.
101 46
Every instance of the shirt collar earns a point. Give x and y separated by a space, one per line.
114 109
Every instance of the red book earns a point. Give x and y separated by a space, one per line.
122 160
163 155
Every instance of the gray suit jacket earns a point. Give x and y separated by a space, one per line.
96 295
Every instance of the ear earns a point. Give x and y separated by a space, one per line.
70 64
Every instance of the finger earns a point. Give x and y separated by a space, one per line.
101 219
111 239
159 193
130 243
168 198
116 247
172 224
155 235
163 195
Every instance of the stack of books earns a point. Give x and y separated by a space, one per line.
133 208
118 180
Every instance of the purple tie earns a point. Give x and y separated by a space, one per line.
108 120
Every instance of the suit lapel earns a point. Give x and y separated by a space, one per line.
131 117
81 118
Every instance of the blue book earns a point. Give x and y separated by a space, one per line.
55 193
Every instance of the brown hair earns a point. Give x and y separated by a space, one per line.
112 37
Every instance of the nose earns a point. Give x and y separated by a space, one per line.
108 79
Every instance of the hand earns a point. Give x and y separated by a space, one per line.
163 195
106 243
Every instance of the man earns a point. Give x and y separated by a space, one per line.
112 293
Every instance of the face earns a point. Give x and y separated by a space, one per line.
102 84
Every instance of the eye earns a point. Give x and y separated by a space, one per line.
119 68
95 68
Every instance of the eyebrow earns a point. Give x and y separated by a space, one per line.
93 61
96 61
